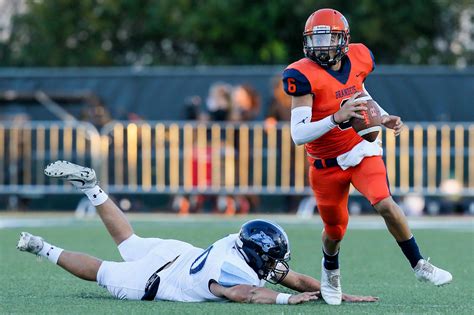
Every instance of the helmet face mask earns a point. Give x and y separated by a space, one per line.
279 271
265 248
325 48
326 37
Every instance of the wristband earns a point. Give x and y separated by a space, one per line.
283 298
333 120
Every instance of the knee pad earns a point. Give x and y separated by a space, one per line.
335 232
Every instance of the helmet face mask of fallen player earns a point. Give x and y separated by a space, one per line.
265 247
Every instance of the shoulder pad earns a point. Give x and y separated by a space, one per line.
365 55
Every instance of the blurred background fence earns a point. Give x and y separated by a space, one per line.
220 158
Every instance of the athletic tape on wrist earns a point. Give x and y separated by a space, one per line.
283 298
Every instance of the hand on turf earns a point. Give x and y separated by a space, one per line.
358 298
350 109
303 297
393 122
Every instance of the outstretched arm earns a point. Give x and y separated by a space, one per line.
304 283
300 282
244 293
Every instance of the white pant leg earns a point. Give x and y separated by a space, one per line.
135 247
127 280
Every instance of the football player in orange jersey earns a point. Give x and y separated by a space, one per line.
324 87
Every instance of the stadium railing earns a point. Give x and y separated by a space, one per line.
27 147
431 159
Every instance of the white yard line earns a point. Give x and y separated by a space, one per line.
8 220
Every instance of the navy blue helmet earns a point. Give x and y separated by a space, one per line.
266 249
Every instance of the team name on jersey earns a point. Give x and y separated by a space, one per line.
346 92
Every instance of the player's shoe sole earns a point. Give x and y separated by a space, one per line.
79 176
30 243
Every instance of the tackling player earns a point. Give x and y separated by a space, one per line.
234 268
324 87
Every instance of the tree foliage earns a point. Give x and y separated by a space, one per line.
189 32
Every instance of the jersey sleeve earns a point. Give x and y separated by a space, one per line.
295 83
231 275
362 58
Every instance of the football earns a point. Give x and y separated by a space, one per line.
370 126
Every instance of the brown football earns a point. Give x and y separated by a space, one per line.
370 126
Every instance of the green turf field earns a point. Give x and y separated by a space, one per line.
371 264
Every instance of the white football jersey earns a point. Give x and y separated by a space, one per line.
189 277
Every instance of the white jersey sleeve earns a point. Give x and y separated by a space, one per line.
226 266
232 274
221 263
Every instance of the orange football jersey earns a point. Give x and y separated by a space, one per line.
330 90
